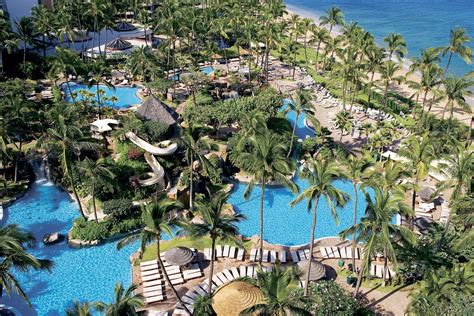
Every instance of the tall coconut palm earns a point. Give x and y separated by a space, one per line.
420 152
97 173
356 170
346 69
14 258
374 58
429 82
217 223
301 105
334 17
344 122
264 159
98 72
277 287
158 218
388 75
458 44
320 36
67 139
321 174
66 62
306 26
395 45
79 309
43 23
195 146
126 302
26 33
456 89
387 176
427 58
377 231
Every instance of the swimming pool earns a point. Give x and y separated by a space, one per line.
208 70
85 274
287 225
126 96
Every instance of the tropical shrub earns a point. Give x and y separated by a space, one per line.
118 208
155 130
134 153
91 230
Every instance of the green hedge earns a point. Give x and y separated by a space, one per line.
118 208
91 230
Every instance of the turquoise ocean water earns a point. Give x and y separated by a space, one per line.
423 23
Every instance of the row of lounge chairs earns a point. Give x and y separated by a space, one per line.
267 256
225 252
377 271
338 252
218 279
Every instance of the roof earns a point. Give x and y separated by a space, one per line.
156 110
179 256
233 298
318 270
124 27
118 44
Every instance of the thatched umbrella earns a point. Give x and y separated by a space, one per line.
118 44
124 27
426 193
155 110
318 270
179 256
233 298
216 56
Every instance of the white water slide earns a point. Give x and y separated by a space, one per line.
165 148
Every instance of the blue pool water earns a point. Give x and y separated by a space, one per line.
87 274
127 96
208 70
423 23
302 131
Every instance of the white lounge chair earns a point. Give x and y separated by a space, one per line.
147 263
153 293
153 288
240 254
219 251
335 250
294 256
250 271
243 271
282 256
151 277
232 252
228 275
154 299
302 254
150 272
323 252
265 255
225 253
348 251
207 254
330 252
307 254
192 274
343 253
253 255
273 256
153 283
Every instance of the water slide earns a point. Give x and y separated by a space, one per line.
165 148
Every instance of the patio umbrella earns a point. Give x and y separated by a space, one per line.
216 56
179 256
233 298
118 44
124 27
318 270
426 193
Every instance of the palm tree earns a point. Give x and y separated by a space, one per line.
79 309
427 58
388 75
26 33
302 105
334 17
67 138
288 52
321 174
430 80
66 62
217 224
420 152
346 69
97 173
306 26
374 59
344 122
357 171
457 45
98 72
278 286
126 302
15 259
264 159
395 45
378 232
43 23
158 218
320 36
387 176
456 89
195 146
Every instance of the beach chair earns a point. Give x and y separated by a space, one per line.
152 293
175 276
307 254
217 280
153 283
207 254
273 256
357 253
154 299
240 254
192 274
294 256
379 272
373 270
282 256
228 275
153 288
250 271
199 290
151 277
242 271
343 253
323 252
225 253
149 267
232 252
150 272
391 272
147 263
302 254
348 251
330 252
187 299
335 250
235 272
192 294
219 251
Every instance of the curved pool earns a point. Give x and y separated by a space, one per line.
126 96
86 274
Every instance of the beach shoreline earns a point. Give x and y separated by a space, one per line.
462 116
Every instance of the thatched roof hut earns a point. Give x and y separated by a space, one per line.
118 44
179 256
318 270
233 298
155 110
124 27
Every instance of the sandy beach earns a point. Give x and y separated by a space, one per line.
402 89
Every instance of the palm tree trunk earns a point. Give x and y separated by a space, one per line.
444 110
94 206
293 135
360 274
413 202
354 243
447 65
385 267
191 170
211 269
311 247
162 267
98 96
423 104
370 87
317 56
44 46
469 132
262 193
73 185
226 60
17 160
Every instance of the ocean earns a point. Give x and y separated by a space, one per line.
423 23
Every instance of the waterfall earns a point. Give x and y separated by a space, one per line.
41 169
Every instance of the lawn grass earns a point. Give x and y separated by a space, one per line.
376 283
198 243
